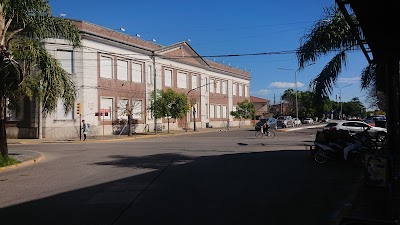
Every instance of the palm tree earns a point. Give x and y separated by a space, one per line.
332 34
26 68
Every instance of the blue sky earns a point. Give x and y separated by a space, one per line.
215 28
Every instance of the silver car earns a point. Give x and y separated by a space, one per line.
378 133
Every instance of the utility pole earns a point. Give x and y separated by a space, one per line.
340 99
194 118
295 84
194 110
155 90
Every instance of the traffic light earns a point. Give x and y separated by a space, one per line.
78 108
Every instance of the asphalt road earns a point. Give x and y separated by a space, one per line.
199 178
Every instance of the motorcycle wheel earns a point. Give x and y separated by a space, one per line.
357 160
320 157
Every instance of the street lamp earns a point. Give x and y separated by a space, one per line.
194 118
295 83
340 98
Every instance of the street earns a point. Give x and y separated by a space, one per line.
197 178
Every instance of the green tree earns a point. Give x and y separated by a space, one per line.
169 104
26 68
306 105
244 110
332 34
289 96
353 108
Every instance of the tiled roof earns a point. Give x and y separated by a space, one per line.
258 100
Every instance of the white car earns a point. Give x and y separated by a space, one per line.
377 133
296 121
308 121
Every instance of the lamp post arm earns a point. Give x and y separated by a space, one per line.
197 88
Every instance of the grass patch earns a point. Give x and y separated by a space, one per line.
7 161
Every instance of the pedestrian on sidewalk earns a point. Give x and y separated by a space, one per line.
85 129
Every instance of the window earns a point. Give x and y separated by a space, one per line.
194 81
224 115
223 87
150 75
168 78
122 69
234 89
137 106
218 111
137 73
60 112
106 104
149 115
207 109
234 108
65 58
240 90
122 107
182 80
106 67
212 109
218 89
212 85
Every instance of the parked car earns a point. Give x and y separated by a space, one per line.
308 121
296 121
377 133
325 120
285 121
372 119
272 123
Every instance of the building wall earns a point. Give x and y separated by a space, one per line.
93 88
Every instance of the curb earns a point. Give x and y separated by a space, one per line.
24 163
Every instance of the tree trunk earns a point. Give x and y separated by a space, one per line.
129 124
3 137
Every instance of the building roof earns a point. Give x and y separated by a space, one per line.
181 51
255 99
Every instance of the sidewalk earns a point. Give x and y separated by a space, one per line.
108 138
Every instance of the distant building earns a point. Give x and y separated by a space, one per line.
261 105
279 109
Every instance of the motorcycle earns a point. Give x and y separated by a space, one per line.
339 145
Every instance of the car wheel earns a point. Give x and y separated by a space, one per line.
381 137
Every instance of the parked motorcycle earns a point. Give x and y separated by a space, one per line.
339 145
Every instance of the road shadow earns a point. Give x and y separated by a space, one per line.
274 187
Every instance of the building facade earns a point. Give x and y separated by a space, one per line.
114 71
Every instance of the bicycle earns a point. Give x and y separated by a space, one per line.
269 133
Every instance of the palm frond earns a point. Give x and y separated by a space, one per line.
368 77
323 84
55 83
329 34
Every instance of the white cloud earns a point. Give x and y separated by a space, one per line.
263 92
349 80
286 85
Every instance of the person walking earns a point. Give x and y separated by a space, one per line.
85 129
